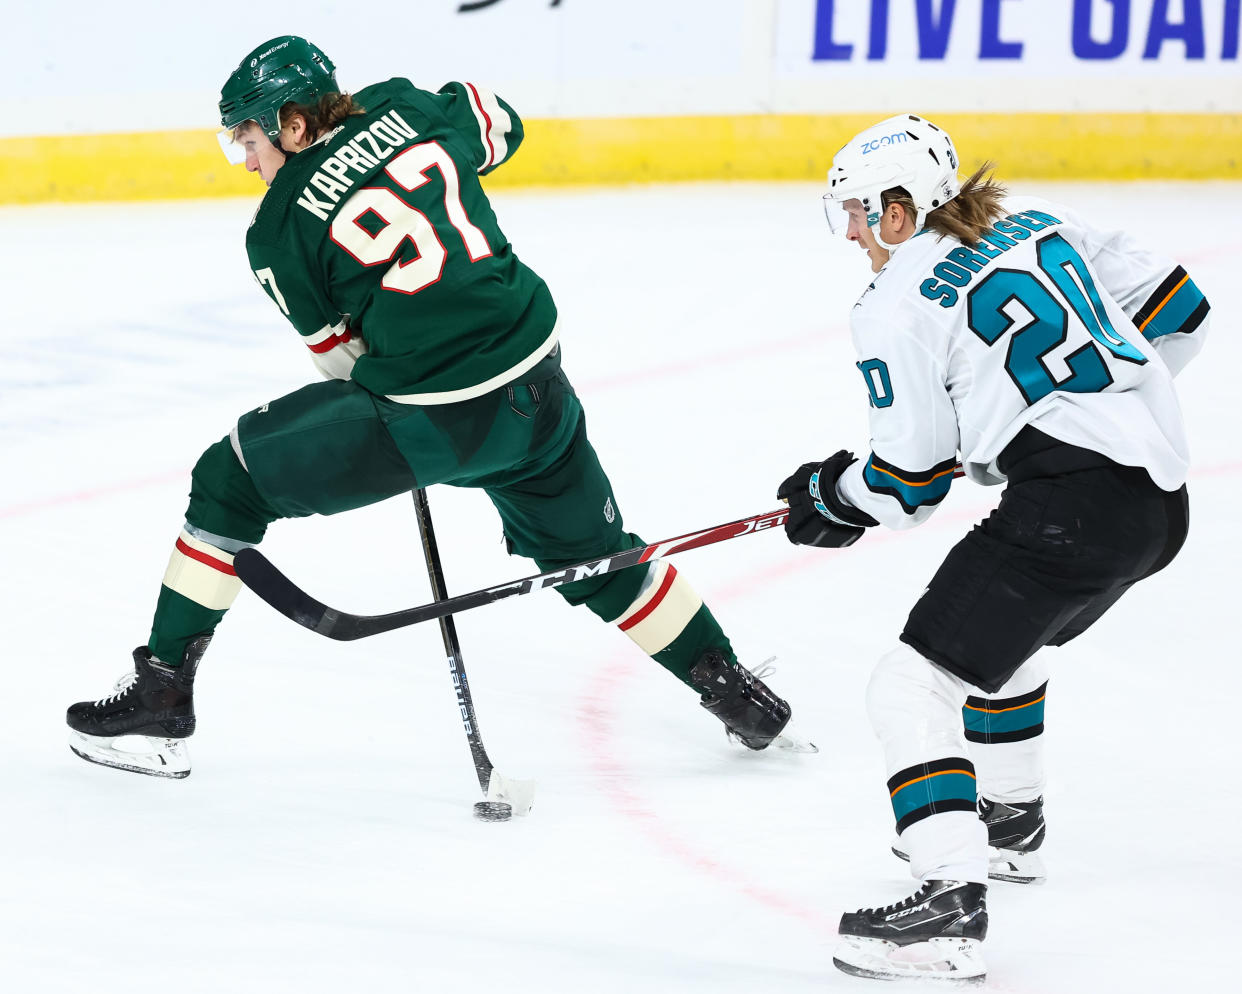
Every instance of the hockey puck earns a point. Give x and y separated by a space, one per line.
492 811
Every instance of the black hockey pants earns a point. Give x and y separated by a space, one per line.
1073 532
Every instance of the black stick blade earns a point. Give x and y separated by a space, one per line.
256 572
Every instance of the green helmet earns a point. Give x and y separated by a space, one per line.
284 69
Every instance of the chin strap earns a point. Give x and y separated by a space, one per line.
890 249
875 233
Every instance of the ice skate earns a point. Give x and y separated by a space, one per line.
936 933
751 713
1015 832
143 724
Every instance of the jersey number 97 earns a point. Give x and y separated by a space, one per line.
398 221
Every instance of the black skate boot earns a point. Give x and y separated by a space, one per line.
153 706
751 713
1015 831
934 933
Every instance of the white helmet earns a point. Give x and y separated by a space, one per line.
904 151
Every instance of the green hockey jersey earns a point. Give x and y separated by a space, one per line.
379 245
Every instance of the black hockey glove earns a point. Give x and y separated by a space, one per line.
817 516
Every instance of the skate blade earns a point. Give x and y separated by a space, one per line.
518 794
787 741
954 961
1006 865
162 757
1016 867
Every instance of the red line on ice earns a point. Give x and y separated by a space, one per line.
84 496
644 375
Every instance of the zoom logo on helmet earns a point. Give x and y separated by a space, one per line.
905 151
871 146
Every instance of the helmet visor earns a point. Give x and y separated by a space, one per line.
234 150
242 140
841 212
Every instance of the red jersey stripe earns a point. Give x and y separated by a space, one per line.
487 135
329 343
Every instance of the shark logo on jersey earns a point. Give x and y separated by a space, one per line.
870 287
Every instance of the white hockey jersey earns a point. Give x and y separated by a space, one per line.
1046 322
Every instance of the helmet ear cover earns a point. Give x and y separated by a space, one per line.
283 70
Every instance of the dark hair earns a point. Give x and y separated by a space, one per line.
968 215
326 113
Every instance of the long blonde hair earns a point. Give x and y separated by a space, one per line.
968 215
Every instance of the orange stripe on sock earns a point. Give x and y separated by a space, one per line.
911 483
1003 710
938 773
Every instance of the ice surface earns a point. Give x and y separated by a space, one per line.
324 841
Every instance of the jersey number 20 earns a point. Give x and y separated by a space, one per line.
1049 325
398 221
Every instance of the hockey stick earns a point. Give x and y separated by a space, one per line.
257 573
518 794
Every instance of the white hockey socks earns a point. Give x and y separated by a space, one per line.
1006 737
916 711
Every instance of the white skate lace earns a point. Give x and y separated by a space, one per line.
119 688
764 669
912 899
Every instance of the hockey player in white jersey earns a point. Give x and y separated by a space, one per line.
1010 331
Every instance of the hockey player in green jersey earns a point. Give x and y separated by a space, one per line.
441 360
